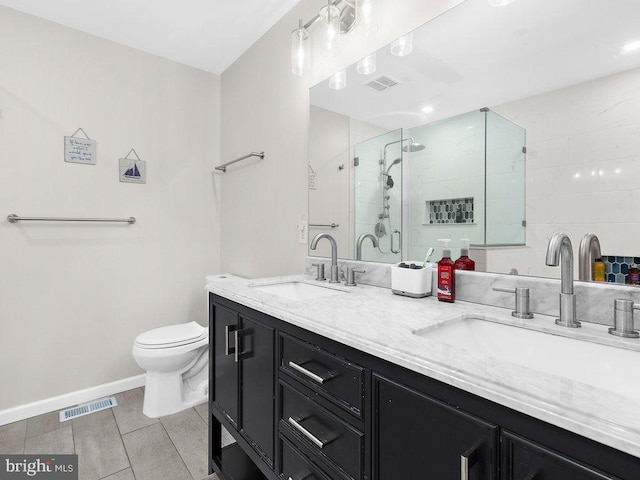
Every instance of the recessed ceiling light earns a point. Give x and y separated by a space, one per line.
499 3
427 109
631 47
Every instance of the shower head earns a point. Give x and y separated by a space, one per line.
395 162
413 147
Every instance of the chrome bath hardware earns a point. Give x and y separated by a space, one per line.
334 278
328 225
13 218
320 271
351 276
361 239
589 251
522 301
623 318
223 167
560 252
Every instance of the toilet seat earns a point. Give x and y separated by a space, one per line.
172 336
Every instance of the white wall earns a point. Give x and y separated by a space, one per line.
265 107
74 296
583 165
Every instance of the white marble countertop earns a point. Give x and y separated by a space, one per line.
375 321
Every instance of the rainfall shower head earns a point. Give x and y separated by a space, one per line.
413 147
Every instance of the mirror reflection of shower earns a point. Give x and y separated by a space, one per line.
386 184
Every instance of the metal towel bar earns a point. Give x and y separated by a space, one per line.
252 154
330 225
13 218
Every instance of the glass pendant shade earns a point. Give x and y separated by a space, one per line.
367 65
365 16
338 80
300 51
330 20
402 46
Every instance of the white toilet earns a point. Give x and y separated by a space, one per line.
176 359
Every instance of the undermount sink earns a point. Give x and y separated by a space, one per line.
298 290
603 366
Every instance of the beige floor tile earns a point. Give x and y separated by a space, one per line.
46 423
123 475
203 411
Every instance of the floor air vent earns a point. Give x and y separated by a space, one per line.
87 408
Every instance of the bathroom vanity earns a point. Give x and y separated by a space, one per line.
347 384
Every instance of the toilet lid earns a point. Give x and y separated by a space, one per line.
172 336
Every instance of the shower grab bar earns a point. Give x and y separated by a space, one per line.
330 225
13 218
252 154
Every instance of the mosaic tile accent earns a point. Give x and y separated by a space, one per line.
451 211
616 268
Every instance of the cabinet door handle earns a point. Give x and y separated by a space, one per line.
467 460
308 373
315 440
228 329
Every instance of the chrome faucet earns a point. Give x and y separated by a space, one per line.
361 238
589 251
334 254
559 251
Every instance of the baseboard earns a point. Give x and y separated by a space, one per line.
52 404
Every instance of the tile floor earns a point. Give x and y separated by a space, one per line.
119 443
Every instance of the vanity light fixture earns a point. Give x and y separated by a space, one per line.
338 80
300 51
403 46
337 18
367 65
499 3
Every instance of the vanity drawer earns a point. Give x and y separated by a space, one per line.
297 467
321 432
340 381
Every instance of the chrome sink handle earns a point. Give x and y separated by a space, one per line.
351 276
623 318
522 301
320 271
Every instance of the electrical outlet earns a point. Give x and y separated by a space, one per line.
303 229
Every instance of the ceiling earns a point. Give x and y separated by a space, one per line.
205 34
476 55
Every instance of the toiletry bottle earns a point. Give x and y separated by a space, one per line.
633 277
598 271
464 262
446 274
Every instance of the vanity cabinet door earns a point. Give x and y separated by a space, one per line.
257 350
525 460
416 436
225 369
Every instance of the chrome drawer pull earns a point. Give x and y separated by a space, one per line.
467 461
317 442
227 330
308 373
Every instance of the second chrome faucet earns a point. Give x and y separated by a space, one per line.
560 252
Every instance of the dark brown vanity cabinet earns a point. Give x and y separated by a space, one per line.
303 407
416 436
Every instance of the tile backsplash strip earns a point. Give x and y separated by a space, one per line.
451 211
594 300
617 267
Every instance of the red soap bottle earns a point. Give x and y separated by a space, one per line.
446 275
464 262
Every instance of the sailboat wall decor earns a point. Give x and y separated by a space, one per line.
132 170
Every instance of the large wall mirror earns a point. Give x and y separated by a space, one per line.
501 125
